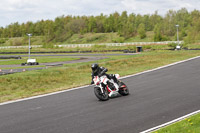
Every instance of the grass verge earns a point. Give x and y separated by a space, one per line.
31 83
38 58
188 125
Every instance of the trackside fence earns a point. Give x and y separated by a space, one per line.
90 45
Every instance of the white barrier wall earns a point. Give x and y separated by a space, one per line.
89 45
119 44
10 47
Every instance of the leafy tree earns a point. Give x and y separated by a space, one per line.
126 25
100 23
157 33
109 24
141 31
92 25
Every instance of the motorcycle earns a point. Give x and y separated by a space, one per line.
103 91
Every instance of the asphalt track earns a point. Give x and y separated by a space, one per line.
156 98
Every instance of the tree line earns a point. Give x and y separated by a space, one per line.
126 25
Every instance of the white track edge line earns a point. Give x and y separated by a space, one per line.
171 122
49 94
165 66
34 97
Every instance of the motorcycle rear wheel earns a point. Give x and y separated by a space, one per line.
101 96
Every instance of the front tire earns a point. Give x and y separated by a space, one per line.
101 96
123 90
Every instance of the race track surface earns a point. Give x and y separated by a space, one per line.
156 97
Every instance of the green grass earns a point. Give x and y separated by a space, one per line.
149 38
31 83
23 67
93 38
194 46
39 59
74 39
188 125
23 41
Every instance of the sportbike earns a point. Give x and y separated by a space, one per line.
106 88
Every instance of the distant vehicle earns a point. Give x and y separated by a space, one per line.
30 62
102 90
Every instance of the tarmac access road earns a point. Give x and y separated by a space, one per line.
82 58
155 98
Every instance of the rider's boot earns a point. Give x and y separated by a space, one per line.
115 79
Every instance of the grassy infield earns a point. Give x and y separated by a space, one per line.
188 125
37 82
38 58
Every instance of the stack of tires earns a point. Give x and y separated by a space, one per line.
30 63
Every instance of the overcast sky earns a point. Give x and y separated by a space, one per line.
33 10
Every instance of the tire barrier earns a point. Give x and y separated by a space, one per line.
11 71
10 57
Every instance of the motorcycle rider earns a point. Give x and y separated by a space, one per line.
100 71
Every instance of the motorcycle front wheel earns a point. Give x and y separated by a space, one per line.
101 96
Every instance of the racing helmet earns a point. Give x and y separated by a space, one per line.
95 67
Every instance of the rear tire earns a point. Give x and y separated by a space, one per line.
29 63
124 91
99 95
